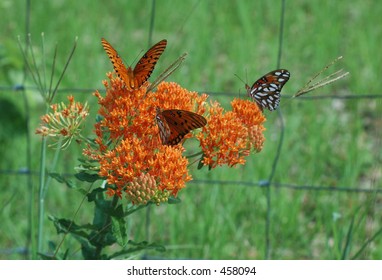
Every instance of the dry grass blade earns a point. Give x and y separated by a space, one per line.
323 82
169 70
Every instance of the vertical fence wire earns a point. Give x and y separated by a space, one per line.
279 147
30 240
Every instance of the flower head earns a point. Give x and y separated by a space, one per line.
128 145
252 118
65 122
143 190
230 136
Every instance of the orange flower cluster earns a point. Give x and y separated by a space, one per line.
131 156
230 136
252 118
64 122
128 141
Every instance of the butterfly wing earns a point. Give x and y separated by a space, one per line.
175 124
164 129
266 90
117 62
146 64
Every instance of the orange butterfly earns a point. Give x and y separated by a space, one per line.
175 124
134 79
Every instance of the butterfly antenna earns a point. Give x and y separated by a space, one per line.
240 79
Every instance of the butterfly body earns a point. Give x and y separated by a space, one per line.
174 124
266 90
135 78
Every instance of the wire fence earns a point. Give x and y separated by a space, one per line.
267 183
358 96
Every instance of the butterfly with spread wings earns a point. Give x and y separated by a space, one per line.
266 90
135 78
174 124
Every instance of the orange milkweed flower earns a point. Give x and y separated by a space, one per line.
173 96
131 156
229 136
252 118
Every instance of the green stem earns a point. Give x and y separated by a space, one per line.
44 184
147 223
41 195
31 241
53 166
131 210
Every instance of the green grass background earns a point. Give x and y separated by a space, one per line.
328 142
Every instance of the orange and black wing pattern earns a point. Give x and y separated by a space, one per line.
175 124
146 64
134 79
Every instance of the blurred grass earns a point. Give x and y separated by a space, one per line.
328 142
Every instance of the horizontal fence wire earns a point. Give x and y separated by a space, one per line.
260 184
210 93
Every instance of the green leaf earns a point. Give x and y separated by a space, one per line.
200 163
89 252
61 179
93 195
145 245
52 248
119 230
44 256
102 237
88 162
349 237
367 243
65 226
138 246
86 176
174 200
99 118
118 212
